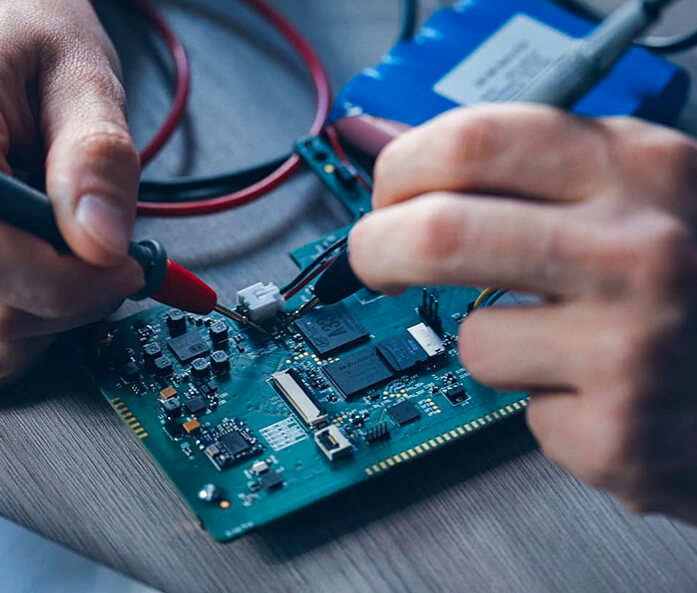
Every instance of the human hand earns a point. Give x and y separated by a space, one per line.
61 99
598 217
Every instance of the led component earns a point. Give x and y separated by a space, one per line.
261 301
428 339
296 396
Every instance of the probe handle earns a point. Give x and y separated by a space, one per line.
338 281
166 281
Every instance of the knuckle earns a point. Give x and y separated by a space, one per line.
438 235
669 156
467 137
662 255
108 141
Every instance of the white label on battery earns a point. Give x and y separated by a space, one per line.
501 67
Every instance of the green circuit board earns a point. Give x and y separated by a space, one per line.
250 427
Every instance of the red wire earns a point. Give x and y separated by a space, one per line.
182 81
286 170
291 293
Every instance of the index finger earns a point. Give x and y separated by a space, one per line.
516 150
442 239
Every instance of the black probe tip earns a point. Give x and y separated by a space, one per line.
338 281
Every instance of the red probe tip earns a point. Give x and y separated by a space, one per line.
184 290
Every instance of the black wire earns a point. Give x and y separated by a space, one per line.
203 187
662 45
408 20
316 262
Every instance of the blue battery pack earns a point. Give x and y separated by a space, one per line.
483 51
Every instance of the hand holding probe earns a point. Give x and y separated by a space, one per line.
165 280
561 84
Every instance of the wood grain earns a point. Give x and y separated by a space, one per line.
488 514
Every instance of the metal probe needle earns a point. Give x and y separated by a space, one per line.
306 308
238 317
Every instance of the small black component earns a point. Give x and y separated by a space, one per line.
235 444
403 413
188 346
130 372
345 175
163 366
218 332
402 352
195 406
358 371
456 394
174 429
429 309
172 407
200 367
220 361
176 322
378 432
238 338
271 480
331 328
152 351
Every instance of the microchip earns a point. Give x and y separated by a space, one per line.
330 329
188 346
456 394
271 481
359 371
152 351
172 407
403 413
130 372
174 429
163 366
235 444
195 405
402 352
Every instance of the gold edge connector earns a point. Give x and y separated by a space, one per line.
447 436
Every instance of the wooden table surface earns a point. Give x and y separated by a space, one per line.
486 514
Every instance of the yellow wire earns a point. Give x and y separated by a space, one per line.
485 294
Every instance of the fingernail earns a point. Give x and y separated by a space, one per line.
107 223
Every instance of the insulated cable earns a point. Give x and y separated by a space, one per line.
292 163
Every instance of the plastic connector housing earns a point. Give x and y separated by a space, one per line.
261 301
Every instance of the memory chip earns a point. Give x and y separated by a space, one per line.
330 329
188 346
402 352
403 413
359 371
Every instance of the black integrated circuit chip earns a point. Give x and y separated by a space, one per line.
456 394
402 352
359 371
271 481
403 413
195 405
235 444
331 328
188 346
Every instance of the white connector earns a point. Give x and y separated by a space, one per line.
261 301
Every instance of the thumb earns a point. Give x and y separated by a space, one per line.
92 167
